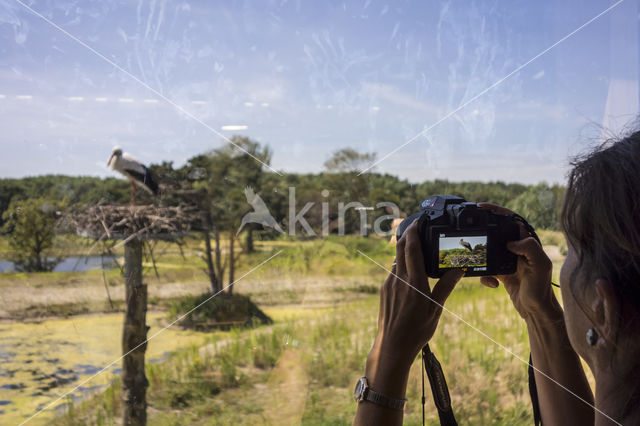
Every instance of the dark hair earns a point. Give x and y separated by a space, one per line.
601 215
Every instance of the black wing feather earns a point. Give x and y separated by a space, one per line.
146 179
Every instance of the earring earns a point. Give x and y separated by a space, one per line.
592 337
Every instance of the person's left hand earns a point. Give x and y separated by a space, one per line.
409 309
530 286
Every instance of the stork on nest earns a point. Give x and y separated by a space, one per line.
465 244
134 170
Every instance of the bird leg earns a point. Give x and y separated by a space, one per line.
133 194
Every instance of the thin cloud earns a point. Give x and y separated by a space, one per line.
234 127
391 94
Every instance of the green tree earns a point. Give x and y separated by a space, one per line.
348 184
349 160
222 175
234 168
540 205
31 228
10 189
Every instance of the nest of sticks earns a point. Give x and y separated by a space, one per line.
128 222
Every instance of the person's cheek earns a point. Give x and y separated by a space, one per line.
568 302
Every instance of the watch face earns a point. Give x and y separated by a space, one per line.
359 390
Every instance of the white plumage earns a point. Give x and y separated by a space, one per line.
465 244
133 170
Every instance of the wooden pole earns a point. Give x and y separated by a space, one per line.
134 335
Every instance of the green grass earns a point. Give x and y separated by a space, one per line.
302 369
553 238
331 256
246 382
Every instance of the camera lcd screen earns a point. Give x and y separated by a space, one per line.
462 250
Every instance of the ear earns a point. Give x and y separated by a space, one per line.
606 308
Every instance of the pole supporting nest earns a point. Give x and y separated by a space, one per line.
134 338
133 225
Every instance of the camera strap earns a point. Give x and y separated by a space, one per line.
439 388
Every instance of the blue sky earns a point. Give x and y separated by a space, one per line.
308 78
448 243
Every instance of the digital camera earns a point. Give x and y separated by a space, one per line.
456 234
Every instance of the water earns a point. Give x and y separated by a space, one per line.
70 264
41 361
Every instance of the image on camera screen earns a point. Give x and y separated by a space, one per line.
462 251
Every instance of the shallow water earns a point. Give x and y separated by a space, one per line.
40 362
69 264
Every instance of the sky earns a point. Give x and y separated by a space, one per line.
448 243
165 80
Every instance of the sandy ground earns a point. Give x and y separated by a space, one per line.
313 290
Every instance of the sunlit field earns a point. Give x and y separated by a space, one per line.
322 296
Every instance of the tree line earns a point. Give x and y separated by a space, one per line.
217 182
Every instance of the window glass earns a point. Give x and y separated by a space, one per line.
273 149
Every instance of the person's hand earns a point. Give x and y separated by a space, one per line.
530 286
409 309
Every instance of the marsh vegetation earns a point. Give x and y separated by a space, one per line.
322 297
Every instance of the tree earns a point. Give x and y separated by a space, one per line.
31 228
348 160
235 167
10 189
222 175
346 182
540 205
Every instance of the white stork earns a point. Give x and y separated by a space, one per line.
465 244
133 170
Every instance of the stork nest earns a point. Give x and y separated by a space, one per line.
128 222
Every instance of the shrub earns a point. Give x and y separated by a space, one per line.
221 311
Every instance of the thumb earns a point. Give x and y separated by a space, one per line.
530 249
445 285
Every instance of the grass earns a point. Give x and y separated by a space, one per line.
302 369
553 238
291 277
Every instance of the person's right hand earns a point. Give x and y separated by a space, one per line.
530 286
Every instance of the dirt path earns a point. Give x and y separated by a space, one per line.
288 388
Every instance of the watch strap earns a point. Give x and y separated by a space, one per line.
383 400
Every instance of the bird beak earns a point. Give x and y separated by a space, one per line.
109 162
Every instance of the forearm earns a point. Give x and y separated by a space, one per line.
386 375
563 391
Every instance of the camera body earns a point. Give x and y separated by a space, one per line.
456 234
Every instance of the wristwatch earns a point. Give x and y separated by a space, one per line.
363 392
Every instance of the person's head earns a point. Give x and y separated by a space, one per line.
600 279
